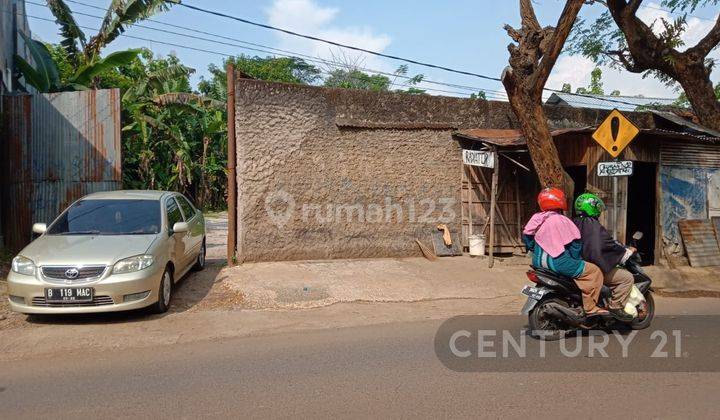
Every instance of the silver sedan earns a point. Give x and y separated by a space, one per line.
109 251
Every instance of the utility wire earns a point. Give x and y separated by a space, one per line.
226 54
500 94
337 44
379 54
280 52
495 94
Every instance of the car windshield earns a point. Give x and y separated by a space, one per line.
109 217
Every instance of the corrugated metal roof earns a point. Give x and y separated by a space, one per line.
497 137
509 137
697 129
605 102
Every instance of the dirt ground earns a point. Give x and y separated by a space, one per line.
261 298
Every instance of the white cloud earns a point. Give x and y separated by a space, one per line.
695 28
310 18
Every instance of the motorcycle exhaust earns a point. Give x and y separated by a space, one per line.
564 313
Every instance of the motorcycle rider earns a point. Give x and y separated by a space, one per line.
600 248
555 243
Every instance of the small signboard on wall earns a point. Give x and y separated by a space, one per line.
615 168
480 158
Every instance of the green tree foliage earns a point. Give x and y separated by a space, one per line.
173 138
83 56
45 75
596 84
352 77
356 79
594 88
604 42
271 69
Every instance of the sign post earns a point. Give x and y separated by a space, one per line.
614 135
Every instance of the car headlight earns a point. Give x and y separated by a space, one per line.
22 265
132 264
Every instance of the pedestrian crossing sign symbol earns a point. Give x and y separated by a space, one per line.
615 133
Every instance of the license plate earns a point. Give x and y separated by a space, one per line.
534 292
69 294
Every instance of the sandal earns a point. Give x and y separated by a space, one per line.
598 312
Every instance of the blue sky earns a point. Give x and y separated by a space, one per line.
463 34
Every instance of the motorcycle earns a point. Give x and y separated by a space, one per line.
554 305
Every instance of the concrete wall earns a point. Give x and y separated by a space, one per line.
332 173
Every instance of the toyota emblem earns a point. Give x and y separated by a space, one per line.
72 273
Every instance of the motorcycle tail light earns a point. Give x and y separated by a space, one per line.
532 276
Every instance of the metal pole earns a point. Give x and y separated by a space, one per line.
493 200
231 162
615 210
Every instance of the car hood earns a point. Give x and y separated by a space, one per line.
86 249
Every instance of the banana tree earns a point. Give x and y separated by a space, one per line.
84 55
45 76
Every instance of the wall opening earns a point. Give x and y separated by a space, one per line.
579 176
641 208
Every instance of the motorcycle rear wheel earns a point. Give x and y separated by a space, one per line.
540 320
644 322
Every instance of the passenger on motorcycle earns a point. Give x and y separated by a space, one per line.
600 248
555 243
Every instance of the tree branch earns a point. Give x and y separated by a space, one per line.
705 45
633 6
527 15
557 40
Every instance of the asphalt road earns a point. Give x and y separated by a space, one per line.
388 370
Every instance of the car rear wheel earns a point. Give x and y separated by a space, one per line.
165 293
200 262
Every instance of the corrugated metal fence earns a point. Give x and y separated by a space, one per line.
55 148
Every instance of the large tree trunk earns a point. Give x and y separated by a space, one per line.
531 62
533 124
696 83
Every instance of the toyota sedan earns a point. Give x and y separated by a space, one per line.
109 251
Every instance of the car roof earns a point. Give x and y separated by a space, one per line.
128 195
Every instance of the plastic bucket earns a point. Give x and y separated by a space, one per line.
477 245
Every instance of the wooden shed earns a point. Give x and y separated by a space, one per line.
676 176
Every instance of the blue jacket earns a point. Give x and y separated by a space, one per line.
569 263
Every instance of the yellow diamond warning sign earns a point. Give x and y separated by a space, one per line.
615 133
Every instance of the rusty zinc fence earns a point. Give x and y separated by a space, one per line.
55 148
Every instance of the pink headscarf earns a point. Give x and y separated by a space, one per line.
552 231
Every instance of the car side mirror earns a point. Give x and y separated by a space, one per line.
39 228
180 227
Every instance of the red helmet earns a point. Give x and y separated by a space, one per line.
552 199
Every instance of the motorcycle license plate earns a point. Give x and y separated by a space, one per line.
536 293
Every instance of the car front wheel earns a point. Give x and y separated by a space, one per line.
165 293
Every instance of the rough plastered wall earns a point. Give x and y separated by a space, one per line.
334 173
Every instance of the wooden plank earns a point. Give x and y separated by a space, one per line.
700 242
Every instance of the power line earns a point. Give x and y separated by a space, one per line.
337 44
496 94
285 53
376 53
225 54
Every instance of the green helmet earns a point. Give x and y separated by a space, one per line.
589 204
